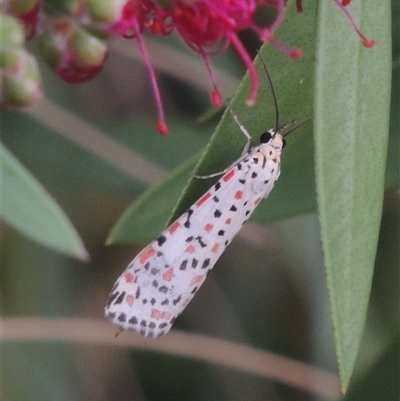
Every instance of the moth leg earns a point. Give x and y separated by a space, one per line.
244 152
242 128
205 177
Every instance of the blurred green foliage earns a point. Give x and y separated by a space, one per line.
271 294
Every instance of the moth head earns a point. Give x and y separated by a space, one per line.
274 139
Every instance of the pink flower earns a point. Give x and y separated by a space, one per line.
207 26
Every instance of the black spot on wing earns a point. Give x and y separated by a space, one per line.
122 317
111 298
163 289
120 298
154 271
183 265
201 242
176 300
161 240
189 215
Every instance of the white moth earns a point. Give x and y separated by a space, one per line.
163 278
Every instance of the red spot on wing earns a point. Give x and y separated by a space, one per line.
258 200
129 299
173 227
155 314
196 279
165 315
129 277
203 199
228 221
228 175
209 227
146 254
190 249
215 248
239 195
167 276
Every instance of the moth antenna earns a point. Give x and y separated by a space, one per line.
273 92
300 124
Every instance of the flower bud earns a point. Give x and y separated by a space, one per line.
105 10
21 83
11 34
27 11
74 54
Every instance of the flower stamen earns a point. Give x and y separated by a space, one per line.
254 81
161 124
342 5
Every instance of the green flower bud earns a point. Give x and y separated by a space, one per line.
21 83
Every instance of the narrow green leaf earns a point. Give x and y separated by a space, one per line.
352 93
147 216
26 206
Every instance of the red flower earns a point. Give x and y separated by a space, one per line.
207 26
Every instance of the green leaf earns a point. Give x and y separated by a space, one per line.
352 93
30 209
147 216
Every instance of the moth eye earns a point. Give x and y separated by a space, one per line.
265 137
283 142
